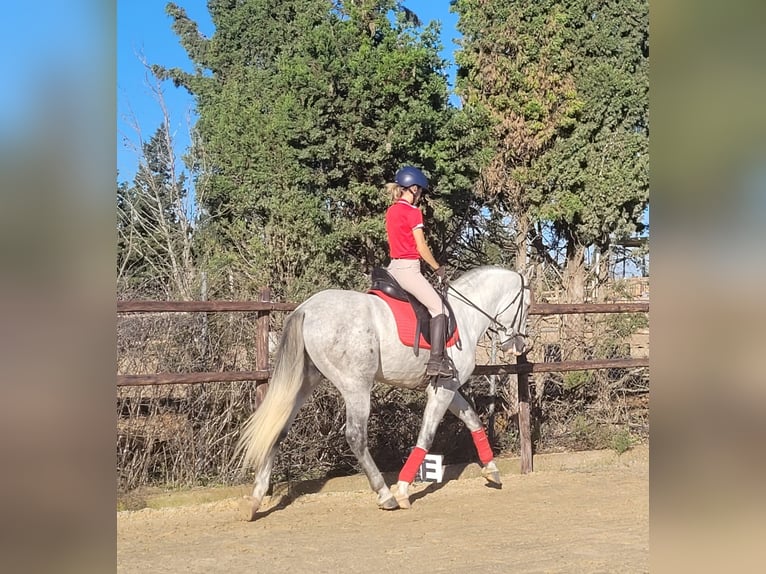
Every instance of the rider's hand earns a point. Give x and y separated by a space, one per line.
441 271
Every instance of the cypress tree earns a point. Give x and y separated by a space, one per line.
306 108
566 84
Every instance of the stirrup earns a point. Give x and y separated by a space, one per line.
442 368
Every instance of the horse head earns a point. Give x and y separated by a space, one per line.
513 319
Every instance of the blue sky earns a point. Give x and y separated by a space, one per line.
144 30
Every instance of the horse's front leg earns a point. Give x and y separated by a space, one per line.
461 408
439 398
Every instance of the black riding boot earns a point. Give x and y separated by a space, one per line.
438 364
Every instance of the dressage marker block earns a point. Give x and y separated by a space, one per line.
431 469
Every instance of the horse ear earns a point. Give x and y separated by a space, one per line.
527 275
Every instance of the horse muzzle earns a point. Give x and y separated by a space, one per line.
516 344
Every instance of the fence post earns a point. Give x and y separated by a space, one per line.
525 432
262 346
492 390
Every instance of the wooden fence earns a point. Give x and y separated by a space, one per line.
263 308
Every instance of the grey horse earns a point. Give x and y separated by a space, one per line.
350 338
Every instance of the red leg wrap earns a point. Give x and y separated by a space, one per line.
410 468
482 446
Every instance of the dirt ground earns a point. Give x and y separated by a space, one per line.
577 512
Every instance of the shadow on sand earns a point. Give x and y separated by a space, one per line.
284 493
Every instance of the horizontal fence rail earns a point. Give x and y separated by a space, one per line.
201 306
192 378
249 376
560 366
244 306
574 308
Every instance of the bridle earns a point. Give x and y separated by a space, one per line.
496 325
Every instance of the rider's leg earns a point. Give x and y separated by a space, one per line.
407 273
437 365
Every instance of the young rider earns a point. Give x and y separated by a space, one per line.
407 246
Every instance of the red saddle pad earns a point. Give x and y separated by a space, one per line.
406 322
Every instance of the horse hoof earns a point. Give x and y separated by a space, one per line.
403 501
492 476
493 480
388 504
249 507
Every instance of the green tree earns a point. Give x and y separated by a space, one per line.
515 67
306 108
592 186
566 85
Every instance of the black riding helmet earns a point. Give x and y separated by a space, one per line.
410 175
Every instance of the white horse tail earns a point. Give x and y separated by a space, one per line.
263 428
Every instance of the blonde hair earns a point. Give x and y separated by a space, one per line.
395 191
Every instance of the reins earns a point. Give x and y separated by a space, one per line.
493 320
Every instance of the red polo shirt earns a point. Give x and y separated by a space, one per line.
401 219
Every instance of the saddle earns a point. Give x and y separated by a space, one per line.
387 288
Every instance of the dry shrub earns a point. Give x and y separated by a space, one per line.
180 435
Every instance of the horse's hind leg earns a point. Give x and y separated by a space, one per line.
262 480
461 408
263 475
357 416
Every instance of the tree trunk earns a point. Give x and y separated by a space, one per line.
573 346
602 274
520 242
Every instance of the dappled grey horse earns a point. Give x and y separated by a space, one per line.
350 338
